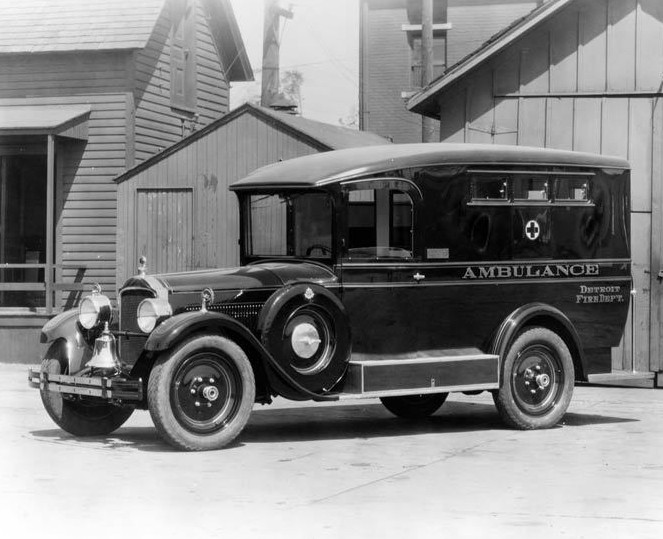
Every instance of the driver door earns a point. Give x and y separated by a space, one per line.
377 265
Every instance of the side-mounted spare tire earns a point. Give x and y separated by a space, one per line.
306 330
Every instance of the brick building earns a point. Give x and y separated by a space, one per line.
390 53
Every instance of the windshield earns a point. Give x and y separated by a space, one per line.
294 224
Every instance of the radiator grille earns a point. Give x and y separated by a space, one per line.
131 347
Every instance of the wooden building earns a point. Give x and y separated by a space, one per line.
581 75
390 61
176 209
88 89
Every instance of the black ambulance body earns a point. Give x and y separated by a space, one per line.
403 272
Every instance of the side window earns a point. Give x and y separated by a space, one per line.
572 189
490 188
530 188
380 220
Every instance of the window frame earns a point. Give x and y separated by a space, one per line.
552 177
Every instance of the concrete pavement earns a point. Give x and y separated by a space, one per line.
341 470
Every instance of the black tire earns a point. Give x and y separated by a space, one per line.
82 417
537 380
213 372
307 311
414 406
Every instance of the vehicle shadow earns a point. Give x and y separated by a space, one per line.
327 422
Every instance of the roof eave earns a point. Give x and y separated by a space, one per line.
425 101
229 42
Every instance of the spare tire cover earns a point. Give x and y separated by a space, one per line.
306 330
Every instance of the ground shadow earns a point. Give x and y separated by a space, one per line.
329 422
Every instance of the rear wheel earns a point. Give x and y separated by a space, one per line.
414 406
78 416
201 394
537 380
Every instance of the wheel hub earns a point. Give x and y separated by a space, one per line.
305 340
536 379
205 392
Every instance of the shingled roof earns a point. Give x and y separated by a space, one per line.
30 26
43 26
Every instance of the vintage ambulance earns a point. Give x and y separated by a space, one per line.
399 272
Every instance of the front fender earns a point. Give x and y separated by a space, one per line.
180 326
64 327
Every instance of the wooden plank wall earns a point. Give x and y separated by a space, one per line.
207 166
157 125
164 228
588 79
85 193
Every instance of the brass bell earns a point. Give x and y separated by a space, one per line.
105 355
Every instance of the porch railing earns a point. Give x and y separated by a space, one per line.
49 285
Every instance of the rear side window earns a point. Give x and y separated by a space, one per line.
530 188
571 189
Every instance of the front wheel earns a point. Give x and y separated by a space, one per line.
414 406
201 394
82 417
537 380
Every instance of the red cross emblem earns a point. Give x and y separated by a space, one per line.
532 230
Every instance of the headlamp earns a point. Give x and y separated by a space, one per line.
94 310
151 312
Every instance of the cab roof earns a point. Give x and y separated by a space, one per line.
324 169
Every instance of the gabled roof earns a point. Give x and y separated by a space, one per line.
425 101
320 135
43 26
329 168
31 26
324 136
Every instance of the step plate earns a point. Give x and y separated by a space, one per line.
429 375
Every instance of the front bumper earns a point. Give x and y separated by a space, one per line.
90 386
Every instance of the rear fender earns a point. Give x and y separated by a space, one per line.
539 314
64 328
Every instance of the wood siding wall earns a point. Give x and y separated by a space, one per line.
588 79
85 193
157 124
386 57
207 166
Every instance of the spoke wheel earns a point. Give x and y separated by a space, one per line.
414 406
201 394
537 380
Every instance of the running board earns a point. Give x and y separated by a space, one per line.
392 377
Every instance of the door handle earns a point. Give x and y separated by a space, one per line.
418 276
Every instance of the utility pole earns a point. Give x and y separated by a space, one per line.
427 124
270 50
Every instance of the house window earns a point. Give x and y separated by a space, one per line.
183 55
22 230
